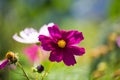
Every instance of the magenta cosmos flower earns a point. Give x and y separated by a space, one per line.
62 43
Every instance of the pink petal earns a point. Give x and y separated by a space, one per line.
56 55
73 37
46 42
4 63
76 50
69 59
118 41
32 52
54 32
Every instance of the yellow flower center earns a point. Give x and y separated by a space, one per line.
61 43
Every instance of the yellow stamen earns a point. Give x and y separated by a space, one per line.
61 43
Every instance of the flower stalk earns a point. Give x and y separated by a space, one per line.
23 70
47 70
36 76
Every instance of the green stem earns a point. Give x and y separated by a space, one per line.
47 70
23 70
37 76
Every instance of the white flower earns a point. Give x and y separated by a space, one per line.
30 35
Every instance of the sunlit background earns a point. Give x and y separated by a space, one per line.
99 20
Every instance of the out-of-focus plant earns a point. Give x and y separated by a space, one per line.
108 53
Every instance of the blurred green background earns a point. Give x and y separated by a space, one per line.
95 18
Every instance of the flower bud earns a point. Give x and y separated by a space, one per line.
12 57
40 68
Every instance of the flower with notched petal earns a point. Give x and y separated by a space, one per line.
62 43
30 35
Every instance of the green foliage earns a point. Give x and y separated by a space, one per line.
114 10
